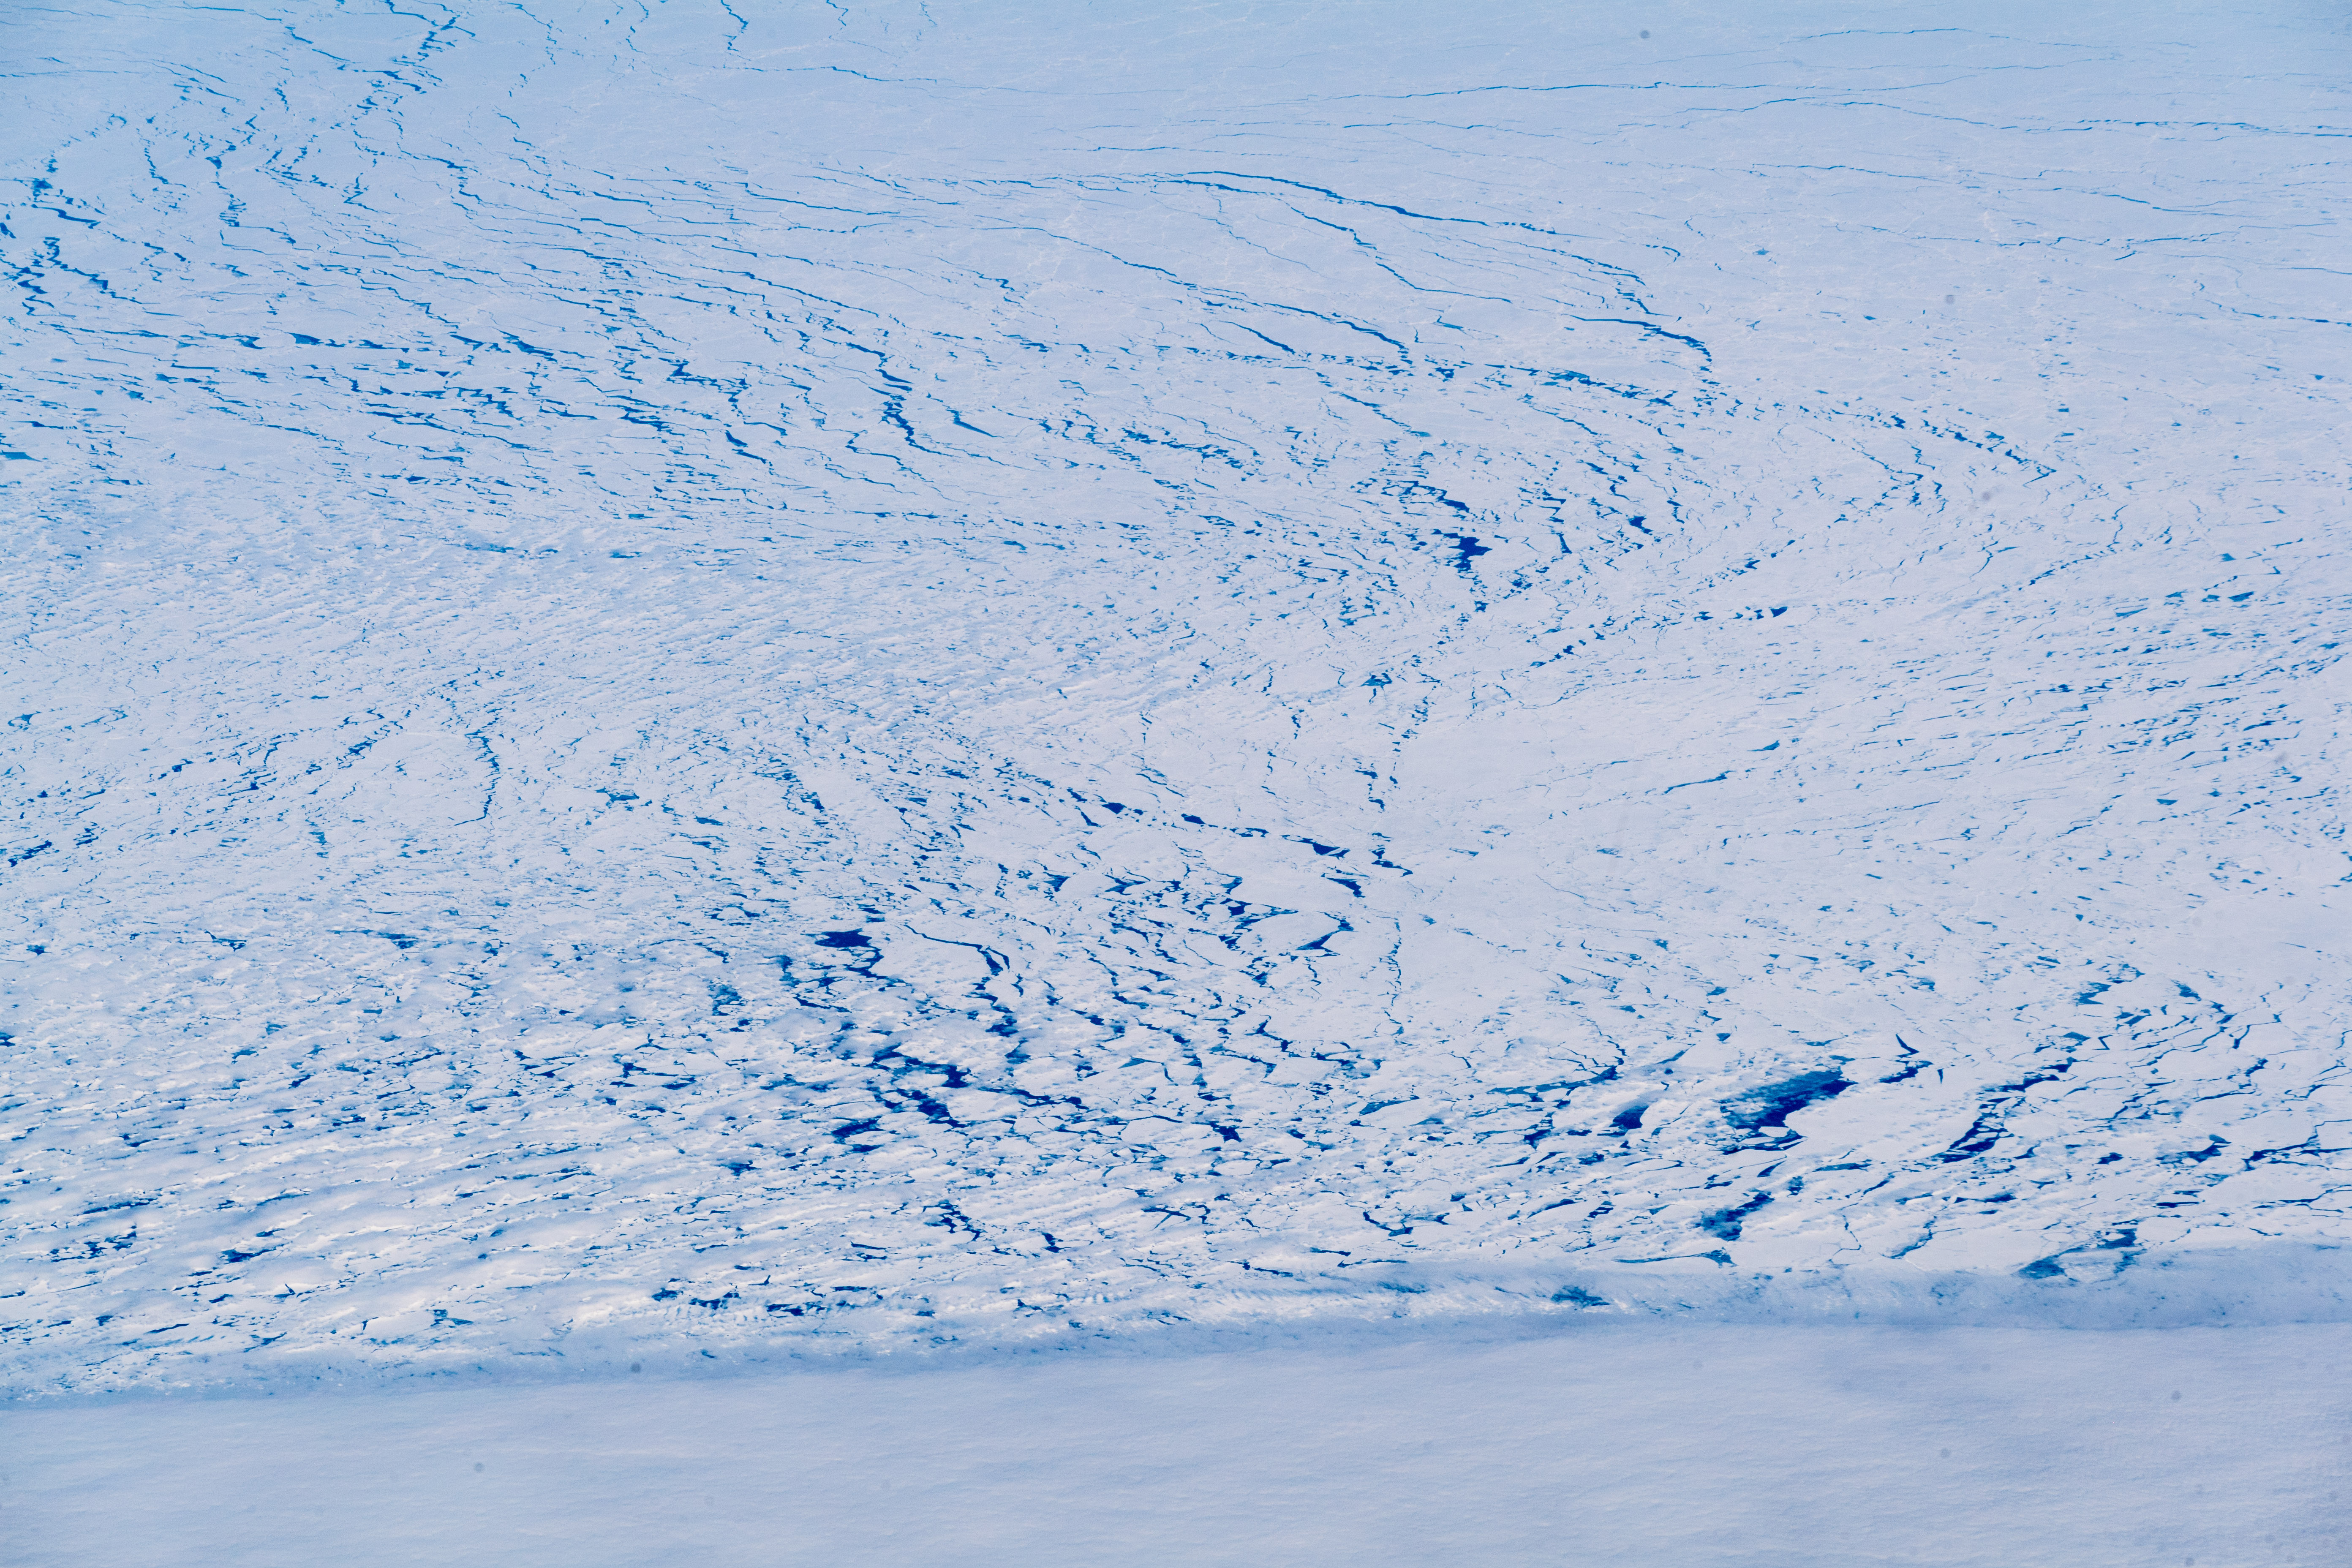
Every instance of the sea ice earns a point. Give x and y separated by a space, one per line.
778 678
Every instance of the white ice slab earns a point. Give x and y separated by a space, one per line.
739 676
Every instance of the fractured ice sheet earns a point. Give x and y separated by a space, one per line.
713 674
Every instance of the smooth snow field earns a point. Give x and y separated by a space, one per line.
1766 1447
830 698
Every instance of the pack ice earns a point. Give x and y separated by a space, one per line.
704 679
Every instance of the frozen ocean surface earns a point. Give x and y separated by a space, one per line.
722 685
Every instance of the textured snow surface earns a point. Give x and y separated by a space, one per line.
770 676
1763 1447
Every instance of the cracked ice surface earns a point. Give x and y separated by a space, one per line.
755 676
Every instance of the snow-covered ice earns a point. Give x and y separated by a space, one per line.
769 679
